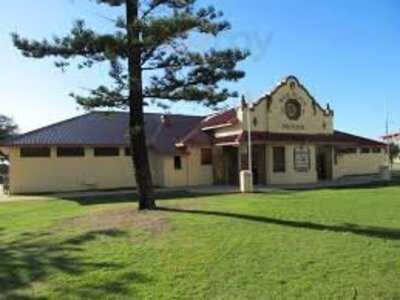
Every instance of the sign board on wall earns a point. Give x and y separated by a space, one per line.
302 159
293 127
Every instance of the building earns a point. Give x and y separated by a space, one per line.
293 137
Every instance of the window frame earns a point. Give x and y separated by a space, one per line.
376 150
206 156
279 167
79 153
348 150
178 163
128 151
103 151
365 150
46 154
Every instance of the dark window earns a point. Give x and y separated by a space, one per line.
70 152
279 160
347 151
365 150
128 151
206 157
35 152
376 150
178 163
106 151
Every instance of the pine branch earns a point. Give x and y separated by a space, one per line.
210 97
166 30
103 97
81 42
111 2
177 72
214 58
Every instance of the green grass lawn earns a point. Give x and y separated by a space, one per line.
325 244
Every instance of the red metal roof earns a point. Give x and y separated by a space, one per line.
228 117
196 137
110 129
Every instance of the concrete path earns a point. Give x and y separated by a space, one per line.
204 190
3 197
213 189
342 182
77 195
7 198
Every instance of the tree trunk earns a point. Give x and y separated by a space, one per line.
137 130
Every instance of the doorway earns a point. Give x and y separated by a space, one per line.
259 165
226 165
324 163
231 165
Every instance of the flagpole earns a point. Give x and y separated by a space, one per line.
387 134
249 150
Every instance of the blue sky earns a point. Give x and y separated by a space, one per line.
345 52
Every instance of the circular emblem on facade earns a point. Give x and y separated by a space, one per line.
293 109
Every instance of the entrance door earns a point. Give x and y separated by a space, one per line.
231 165
324 163
259 165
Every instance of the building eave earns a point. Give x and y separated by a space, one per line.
217 126
339 139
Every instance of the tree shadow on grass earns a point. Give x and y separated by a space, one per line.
373 185
368 231
32 258
355 186
132 197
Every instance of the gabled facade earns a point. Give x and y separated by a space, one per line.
293 140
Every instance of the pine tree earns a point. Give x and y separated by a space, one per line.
152 36
8 128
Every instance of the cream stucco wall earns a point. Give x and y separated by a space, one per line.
359 164
193 173
35 175
271 115
58 174
313 120
290 176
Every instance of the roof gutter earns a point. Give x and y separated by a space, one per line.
217 126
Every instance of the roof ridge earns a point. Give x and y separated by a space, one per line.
149 113
16 138
175 115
